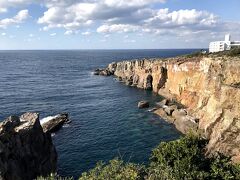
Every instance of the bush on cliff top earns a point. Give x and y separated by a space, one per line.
175 160
116 169
234 52
180 159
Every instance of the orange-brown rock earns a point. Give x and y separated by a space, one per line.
209 87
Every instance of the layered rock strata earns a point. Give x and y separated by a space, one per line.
25 150
208 87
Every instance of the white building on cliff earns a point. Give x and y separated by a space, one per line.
227 44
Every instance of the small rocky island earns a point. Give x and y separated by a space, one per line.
202 94
26 148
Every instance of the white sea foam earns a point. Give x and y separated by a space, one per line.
47 119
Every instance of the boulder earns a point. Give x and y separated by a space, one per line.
26 151
178 113
169 109
143 104
186 124
54 123
152 110
162 113
162 103
119 78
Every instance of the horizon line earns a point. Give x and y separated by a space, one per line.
101 49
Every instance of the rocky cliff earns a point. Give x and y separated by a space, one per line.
25 150
209 88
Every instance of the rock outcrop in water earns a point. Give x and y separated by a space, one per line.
208 87
25 150
52 124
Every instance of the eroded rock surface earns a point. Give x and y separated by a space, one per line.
143 104
207 86
54 123
25 150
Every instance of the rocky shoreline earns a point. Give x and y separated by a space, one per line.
205 87
26 148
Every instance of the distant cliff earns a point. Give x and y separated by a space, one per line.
25 150
209 87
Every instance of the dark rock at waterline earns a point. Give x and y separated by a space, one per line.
54 123
97 71
162 103
25 150
143 104
103 72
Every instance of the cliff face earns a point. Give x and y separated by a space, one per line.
209 88
25 150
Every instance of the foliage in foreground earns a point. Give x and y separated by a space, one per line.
185 159
54 176
116 169
176 160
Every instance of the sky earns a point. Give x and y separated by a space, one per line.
116 24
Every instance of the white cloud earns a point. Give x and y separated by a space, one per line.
87 33
70 18
3 10
130 41
74 15
31 35
5 4
3 34
19 18
130 3
120 28
122 16
53 34
69 32
119 16
165 19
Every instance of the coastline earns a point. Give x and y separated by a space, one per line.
207 86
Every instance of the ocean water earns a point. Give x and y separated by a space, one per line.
106 122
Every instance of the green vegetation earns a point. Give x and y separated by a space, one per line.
176 160
195 54
185 159
54 176
116 169
234 52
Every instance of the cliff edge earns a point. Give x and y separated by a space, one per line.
209 88
25 150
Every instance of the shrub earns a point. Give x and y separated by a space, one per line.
176 160
54 176
116 169
234 51
185 159
221 168
180 159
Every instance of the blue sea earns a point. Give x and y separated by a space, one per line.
106 122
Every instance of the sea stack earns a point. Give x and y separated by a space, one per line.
26 152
